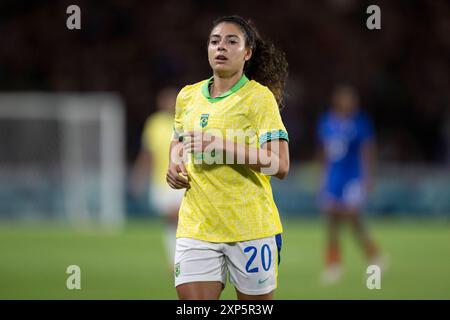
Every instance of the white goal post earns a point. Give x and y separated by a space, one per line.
62 157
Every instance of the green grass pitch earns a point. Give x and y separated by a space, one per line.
132 264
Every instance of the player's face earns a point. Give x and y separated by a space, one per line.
227 51
345 100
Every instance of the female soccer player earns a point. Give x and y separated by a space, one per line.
228 221
348 148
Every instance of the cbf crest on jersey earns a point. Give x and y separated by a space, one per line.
204 120
177 269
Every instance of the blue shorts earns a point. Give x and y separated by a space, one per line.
349 194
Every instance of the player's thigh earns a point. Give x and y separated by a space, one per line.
253 266
354 196
243 296
200 269
201 290
345 204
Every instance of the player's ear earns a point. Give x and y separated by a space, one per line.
248 53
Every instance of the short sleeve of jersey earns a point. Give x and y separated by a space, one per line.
266 117
366 129
180 105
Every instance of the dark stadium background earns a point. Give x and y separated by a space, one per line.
136 48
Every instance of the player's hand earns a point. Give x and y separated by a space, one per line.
174 179
197 141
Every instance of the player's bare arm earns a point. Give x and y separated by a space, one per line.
176 166
272 154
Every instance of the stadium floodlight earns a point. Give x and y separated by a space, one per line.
62 157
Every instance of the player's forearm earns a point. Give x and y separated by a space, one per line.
175 152
271 159
242 153
266 160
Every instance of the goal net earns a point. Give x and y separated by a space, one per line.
62 158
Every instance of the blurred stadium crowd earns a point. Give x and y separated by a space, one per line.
60 167
137 47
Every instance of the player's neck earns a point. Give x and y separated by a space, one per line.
221 85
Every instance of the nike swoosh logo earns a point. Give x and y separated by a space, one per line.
262 281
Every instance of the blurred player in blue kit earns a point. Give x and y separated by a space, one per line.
347 143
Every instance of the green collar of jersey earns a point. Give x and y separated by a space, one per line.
233 89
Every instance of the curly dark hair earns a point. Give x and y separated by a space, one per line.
268 64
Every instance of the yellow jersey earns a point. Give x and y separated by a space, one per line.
156 139
228 202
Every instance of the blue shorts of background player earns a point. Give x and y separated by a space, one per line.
344 139
347 195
